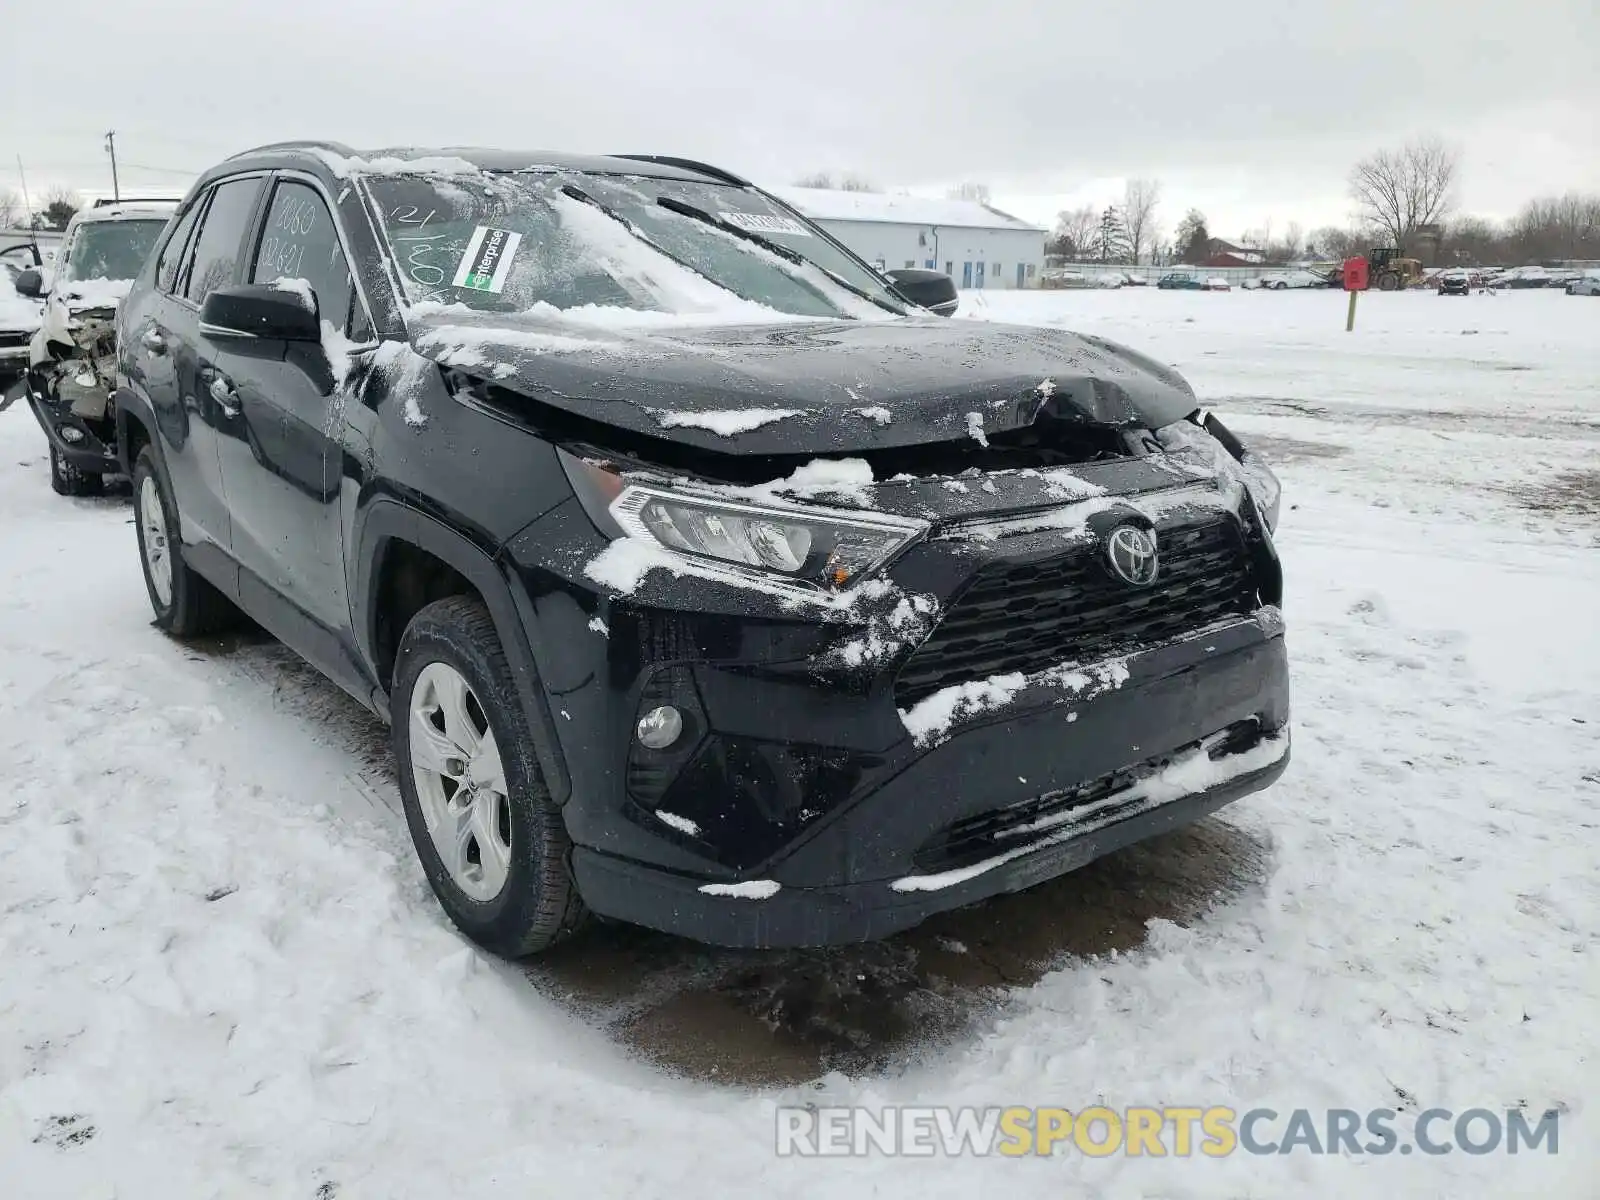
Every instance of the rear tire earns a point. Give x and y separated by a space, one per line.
68 480
185 604
472 787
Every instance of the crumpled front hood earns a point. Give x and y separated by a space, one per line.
834 387
92 295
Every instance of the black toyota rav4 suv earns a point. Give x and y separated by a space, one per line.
707 582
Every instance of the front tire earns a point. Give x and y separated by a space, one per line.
491 840
68 480
185 604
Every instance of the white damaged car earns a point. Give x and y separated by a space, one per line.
71 359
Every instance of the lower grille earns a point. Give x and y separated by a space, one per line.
985 835
1028 616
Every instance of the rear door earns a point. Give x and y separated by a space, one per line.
282 472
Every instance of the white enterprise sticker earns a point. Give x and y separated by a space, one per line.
487 262
765 223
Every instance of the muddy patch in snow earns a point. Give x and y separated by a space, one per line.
1288 449
1571 493
771 1018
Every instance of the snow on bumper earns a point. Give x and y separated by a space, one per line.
1009 796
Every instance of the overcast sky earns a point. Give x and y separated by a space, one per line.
1247 109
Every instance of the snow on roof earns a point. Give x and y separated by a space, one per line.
825 204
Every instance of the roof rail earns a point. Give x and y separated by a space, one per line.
135 201
297 144
688 164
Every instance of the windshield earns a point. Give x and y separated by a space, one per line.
508 242
110 249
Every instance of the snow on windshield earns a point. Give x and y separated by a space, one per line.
588 245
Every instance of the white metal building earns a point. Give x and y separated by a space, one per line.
978 246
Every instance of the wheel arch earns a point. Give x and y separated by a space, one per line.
405 557
136 428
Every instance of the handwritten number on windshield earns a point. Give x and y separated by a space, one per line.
418 247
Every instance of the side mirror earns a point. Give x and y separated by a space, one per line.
933 290
29 283
260 310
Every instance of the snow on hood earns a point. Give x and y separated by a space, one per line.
929 375
82 294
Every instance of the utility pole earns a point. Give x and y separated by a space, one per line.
111 149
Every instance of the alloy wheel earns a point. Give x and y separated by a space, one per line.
153 539
460 781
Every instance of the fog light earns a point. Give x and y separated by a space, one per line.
69 434
660 727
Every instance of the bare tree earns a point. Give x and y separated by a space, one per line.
1557 227
857 183
1398 190
1472 240
11 210
1293 241
1075 231
978 193
1332 243
848 182
1139 200
59 205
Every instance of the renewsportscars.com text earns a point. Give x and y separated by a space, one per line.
1213 1132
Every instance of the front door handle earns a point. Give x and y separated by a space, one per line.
222 392
152 341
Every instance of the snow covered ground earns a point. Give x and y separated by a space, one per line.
221 973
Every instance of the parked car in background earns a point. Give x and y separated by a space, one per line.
1455 283
1587 284
1180 281
1296 277
1066 277
72 357
506 445
1215 283
19 321
1525 277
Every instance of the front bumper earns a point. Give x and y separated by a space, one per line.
861 771
865 872
863 912
85 450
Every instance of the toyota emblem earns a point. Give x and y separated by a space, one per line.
1132 553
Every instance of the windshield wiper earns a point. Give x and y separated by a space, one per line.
784 252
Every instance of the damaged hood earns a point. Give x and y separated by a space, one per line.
92 295
831 387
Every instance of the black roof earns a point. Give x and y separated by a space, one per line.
324 154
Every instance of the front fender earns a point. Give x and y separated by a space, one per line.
387 518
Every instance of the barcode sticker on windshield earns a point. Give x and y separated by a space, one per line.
487 262
766 223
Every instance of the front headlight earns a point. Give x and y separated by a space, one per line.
814 548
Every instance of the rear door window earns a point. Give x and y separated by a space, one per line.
220 241
300 241
172 254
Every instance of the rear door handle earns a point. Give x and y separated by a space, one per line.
222 392
152 341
